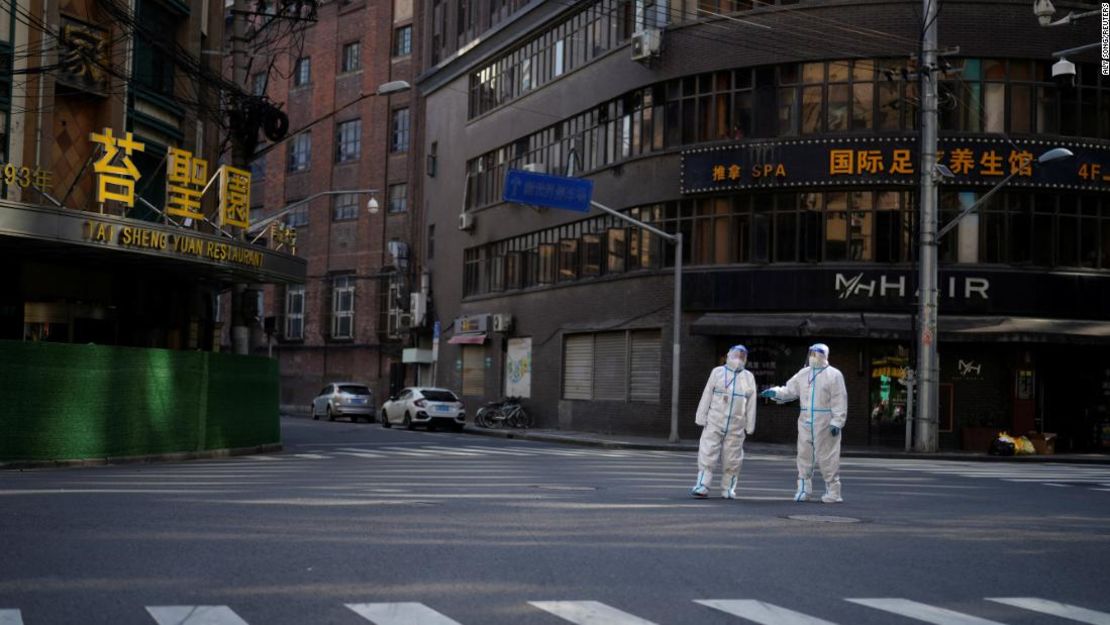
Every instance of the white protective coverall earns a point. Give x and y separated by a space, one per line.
727 412
824 409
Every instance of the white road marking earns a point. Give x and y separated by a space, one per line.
402 451
194 615
450 451
311 456
589 613
762 612
10 617
1063 610
499 452
923 612
400 614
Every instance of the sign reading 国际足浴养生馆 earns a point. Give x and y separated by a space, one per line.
975 161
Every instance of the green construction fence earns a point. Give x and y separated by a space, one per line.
67 402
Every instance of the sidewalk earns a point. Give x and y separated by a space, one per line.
620 441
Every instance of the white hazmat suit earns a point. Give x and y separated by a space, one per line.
727 412
820 389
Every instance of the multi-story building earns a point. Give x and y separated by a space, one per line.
343 179
781 140
119 230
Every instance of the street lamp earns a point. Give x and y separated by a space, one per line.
928 373
260 226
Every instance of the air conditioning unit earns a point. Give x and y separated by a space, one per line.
400 322
535 168
466 221
418 303
646 43
502 323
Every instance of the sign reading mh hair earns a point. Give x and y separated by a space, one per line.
984 161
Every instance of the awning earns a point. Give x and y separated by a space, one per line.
468 338
887 326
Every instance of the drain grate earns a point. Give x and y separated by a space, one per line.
823 518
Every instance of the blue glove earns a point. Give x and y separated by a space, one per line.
835 431
767 394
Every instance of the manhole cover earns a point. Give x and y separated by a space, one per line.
822 518
574 488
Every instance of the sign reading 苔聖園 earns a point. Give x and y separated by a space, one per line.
891 160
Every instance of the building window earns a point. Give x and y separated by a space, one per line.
153 68
398 198
343 307
300 152
302 73
402 41
346 207
350 59
348 140
568 260
294 313
613 366
400 135
297 217
258 83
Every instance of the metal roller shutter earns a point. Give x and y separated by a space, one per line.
578 360
643 381
474 370
610 365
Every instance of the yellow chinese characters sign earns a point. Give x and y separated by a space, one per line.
890 160
115 173
235 197
186 177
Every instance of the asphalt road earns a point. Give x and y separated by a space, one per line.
354 524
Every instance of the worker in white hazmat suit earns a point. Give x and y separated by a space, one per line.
819 387
727 412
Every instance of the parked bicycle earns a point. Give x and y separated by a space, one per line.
505 413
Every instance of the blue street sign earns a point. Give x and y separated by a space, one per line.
525 187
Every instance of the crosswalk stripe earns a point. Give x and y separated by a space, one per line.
358 453
589 613
762 612
10 617
400 614
499 452
311 456
194 615
402 451
449 451
923 612
1063 610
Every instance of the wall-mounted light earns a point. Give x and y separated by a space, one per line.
372 205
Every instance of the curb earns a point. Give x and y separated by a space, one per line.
178 456
787 450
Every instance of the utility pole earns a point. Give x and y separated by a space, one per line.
242 300
928 369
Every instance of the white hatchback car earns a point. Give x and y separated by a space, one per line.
421 405
344 399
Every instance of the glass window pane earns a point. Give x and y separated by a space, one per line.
890 105
811 110
863 100
836 227
813 73
839 70
838 107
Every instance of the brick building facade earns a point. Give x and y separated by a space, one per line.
343 136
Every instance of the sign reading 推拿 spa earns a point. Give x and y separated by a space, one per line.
891 160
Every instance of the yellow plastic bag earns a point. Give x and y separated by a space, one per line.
1024 447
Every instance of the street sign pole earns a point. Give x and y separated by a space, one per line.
676 332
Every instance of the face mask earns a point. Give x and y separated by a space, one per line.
814 362
735 364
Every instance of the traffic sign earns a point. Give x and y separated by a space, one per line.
525 187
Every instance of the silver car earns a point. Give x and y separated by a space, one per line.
421 405
344 399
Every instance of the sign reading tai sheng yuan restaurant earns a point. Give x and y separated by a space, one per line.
974 161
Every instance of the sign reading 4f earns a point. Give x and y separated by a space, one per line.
116 174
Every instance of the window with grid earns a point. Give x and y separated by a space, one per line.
258 83
298 217
345 207
351 60
300 152
302 74
402 41
348 140
294 313
400 134
398 198
343 307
